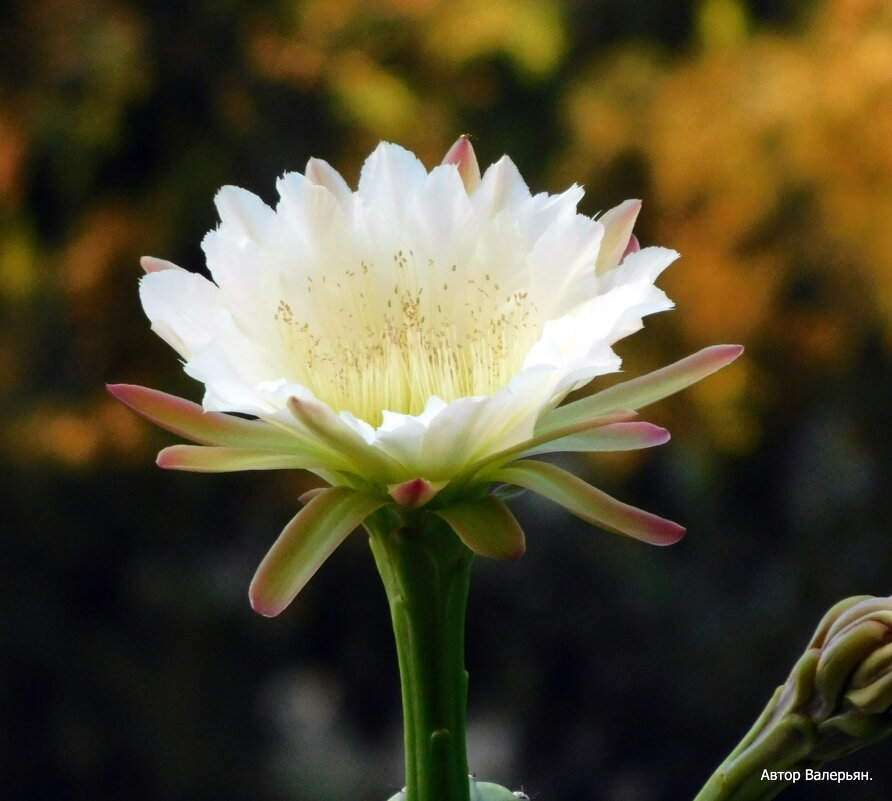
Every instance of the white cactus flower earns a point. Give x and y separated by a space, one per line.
409 342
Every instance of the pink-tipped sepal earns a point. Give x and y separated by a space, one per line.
463 156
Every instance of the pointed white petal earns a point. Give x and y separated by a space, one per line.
618 224
501 188
244 212
469 430
641 266
333 433
389 179
232 379
322 173
180 306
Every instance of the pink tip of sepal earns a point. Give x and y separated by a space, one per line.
462 155
167 459
152 265
661 531
715 357
308 496
730 352
415 493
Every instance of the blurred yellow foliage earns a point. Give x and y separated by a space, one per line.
731 135
768 163
394 69
763 156
530 32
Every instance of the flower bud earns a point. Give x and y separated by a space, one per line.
852 692
480 791
487 791
837 699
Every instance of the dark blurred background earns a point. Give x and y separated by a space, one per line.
760 136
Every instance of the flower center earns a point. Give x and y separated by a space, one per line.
372 340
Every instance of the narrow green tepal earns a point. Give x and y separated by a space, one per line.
305 543
487 527
639 392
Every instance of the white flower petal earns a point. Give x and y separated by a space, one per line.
468 429
181 307
501 188
244 212
643 266
410 329
618 223
537 213
389 180
322 173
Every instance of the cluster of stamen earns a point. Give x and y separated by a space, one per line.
369 340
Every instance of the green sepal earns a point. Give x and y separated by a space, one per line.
644 390
305 543
487 527
589 503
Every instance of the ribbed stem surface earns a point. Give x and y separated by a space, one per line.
426 572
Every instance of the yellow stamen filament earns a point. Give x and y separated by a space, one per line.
365 344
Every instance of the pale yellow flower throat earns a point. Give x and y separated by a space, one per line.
372 339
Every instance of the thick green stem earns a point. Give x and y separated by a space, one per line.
426 572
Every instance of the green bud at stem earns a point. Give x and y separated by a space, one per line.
836 700
479 791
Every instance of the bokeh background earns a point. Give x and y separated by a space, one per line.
759 134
